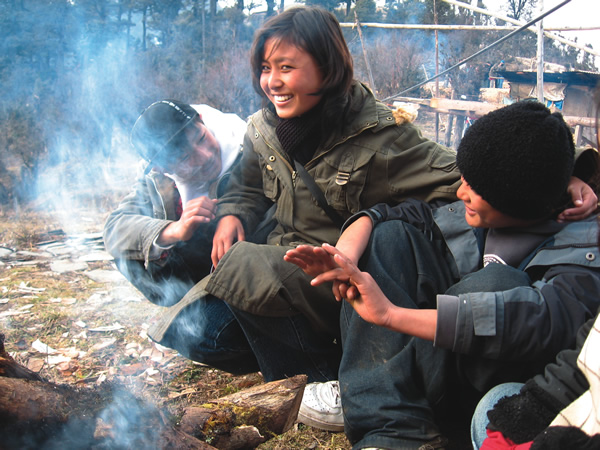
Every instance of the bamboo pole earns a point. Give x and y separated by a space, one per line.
531 28
431 27
362 43
484 27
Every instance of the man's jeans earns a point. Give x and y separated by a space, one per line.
288 346
394 386
204 331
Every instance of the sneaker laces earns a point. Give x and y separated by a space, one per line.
330 393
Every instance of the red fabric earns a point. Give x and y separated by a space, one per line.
496 441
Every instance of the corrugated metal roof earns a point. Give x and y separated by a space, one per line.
579 78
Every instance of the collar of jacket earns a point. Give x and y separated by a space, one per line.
373 115
163 192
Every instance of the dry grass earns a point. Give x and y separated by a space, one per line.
62 310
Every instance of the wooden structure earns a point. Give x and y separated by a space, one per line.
575 90
572 92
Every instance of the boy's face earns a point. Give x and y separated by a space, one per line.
202 159
481 214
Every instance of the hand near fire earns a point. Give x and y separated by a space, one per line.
359 289
319 262
196 212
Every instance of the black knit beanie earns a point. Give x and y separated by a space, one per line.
519 159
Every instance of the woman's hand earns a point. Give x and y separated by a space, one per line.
195 213
584 199
229 231
361 291
318 263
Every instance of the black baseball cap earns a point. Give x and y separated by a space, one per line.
156 132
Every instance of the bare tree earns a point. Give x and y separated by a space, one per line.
520 8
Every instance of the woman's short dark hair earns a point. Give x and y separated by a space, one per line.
317 32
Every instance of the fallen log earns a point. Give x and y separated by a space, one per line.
42 414
38 413
10 368
271 408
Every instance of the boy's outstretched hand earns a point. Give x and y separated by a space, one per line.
312 260
328 263
360 290
319 264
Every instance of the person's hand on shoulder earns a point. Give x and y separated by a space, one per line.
584 199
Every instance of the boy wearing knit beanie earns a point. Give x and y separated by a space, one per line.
465 296
518 159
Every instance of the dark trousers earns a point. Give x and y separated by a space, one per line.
395 386
204 331
288 346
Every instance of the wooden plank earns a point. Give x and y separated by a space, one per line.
478 109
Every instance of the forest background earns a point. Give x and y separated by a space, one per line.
75 74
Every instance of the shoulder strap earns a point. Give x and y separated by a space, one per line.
318 195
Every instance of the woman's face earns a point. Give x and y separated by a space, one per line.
290 78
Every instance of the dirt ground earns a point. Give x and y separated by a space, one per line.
69 315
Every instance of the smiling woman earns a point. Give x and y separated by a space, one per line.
317 121
290 79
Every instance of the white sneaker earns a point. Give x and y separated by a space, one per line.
322 406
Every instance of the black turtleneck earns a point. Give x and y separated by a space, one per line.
300 136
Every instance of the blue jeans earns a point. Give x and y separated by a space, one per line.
288 346
206 331
396 389
480 420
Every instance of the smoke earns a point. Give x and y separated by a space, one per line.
76 75
108 418
90 161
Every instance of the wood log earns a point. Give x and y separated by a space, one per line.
39 414
10 368
271 407
242 437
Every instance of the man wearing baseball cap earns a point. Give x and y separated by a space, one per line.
161 233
